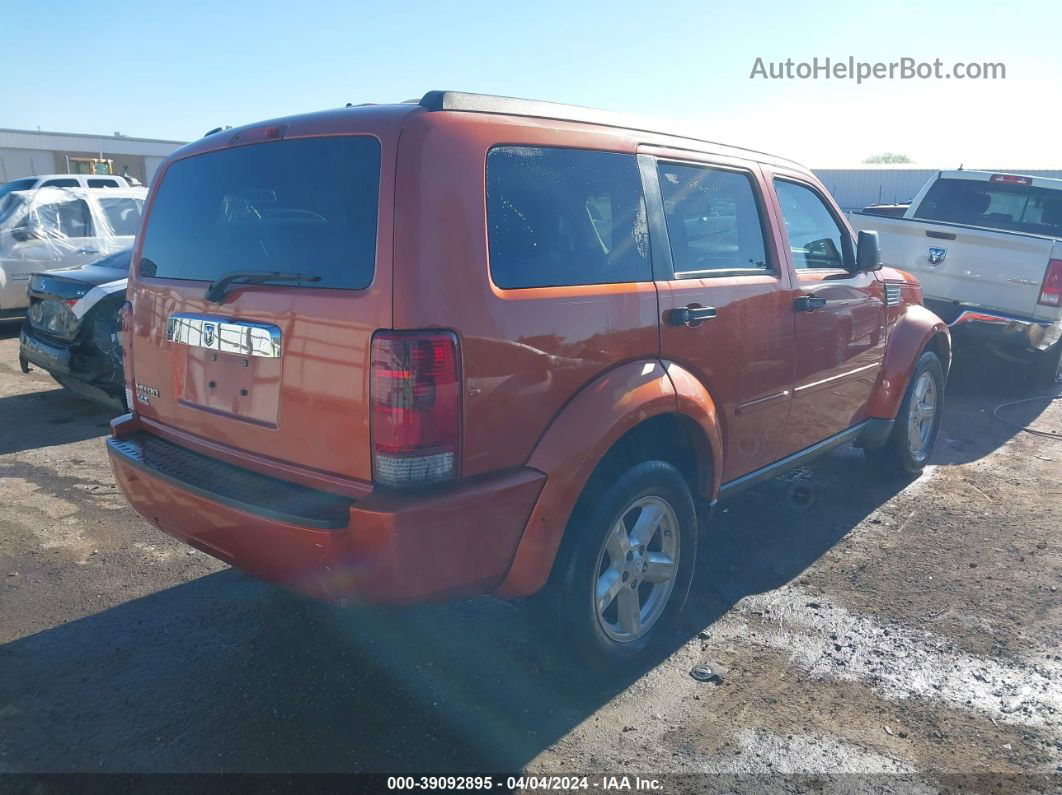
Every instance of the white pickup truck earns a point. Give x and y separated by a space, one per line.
987 249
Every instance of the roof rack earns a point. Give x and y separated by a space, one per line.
512 106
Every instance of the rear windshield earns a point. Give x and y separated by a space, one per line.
119 260
998 205
305 205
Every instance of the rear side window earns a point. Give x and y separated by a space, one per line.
102 183
713 221
998 205
564 217
303 205
61 183
123 215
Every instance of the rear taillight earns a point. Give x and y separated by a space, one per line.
416 413
125 318
1051 292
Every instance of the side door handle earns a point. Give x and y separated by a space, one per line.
808 303
691 315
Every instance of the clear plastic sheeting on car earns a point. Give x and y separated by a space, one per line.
53 228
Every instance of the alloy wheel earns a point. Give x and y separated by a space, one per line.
636 569
922 414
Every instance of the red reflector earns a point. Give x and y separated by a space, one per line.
415 407
1011 178
1051 292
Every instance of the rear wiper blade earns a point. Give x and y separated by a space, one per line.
217 289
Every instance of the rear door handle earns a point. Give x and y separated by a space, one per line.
691 315
808 303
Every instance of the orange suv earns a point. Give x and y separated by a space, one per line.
485 345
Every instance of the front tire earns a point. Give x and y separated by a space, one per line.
910 444
624 569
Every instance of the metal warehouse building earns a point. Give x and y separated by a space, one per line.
855 188
24 153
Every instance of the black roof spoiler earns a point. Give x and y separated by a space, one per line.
512 106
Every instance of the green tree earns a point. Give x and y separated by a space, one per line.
888 157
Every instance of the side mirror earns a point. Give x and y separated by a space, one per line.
20 234
868 252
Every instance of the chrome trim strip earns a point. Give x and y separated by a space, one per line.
846 374
224 335
759 403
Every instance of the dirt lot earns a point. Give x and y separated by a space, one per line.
911 629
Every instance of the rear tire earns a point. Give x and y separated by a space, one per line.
910 444
624 569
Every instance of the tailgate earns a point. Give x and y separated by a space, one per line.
274 369
985 268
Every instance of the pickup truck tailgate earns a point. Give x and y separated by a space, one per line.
986 268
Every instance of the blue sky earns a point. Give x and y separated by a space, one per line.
174 70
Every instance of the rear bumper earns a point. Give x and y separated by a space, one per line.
394 547
50 356
1019 332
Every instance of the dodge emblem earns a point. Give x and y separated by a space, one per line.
937 255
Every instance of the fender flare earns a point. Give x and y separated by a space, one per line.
602 412
915 329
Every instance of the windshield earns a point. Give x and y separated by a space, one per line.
18 184
997 205
306 205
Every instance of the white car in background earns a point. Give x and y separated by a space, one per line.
49 228
67 181
987 249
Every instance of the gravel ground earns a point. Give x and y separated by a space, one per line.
907 632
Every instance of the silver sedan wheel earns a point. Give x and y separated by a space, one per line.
921 415
636 569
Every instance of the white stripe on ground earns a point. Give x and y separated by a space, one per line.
898 662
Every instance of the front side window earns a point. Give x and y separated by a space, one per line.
61 183
123 215
713 221
565 217
304 205
64 219
102 183
815 238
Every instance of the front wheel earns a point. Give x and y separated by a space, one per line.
914 434
624 570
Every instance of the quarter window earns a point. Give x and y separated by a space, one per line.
565 216
713 221
815 237
123 215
